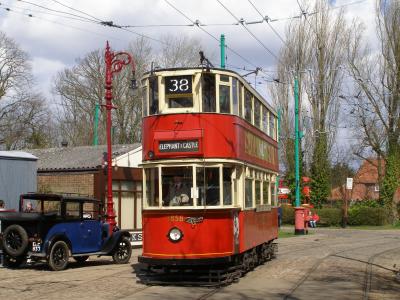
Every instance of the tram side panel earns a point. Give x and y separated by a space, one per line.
216 136
257 228
206 234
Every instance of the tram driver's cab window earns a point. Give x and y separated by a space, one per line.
208 92
176 186
152 187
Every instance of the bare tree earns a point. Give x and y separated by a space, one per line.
376 105
24 117
14 67
314 52
179 51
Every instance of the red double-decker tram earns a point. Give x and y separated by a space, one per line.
209 168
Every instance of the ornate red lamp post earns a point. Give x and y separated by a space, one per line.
114 64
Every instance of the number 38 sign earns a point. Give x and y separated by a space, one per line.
178 85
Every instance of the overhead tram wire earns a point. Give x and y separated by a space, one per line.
95 21
249 31
77 10
266 18
58 23
23 9
59 11
209 34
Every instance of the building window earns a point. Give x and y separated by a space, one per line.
208 90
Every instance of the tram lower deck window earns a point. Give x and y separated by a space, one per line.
208 185
248 200
152 186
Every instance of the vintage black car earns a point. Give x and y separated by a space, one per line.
53 227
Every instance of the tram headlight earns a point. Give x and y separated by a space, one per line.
150 154
175 235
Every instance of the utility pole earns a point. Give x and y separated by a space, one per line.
114 64
299 211
222 47
278 139
96 125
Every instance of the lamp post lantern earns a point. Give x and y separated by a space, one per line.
114 63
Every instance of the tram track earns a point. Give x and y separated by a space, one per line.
368 269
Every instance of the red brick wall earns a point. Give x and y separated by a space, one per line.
66 183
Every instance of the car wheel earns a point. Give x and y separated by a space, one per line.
15 240
81 259
59 254
13 262
123 251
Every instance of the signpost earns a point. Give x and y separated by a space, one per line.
347 192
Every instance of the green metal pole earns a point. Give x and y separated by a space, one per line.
277 137
96 125
222 46
297 138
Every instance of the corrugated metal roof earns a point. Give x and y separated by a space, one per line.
75 158
17 155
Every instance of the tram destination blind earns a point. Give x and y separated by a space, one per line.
179 146
178 85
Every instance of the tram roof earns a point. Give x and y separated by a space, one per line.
253 90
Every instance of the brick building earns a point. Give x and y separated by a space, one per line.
82 170
365 183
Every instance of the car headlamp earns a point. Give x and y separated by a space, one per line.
175 235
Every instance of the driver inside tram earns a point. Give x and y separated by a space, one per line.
179 193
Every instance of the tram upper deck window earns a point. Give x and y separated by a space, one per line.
271 125
265 119
208 91
153 99
145 97
235 97
208 185
224 99
248 106
257 112
152 186
178 91
176 186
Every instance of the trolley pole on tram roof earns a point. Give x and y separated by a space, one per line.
222 47
114 63
299 211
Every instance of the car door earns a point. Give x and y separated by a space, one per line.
90 231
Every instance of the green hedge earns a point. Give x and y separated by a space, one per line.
287 214
358 215
329 216
363 215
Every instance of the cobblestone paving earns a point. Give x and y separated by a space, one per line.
328 264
